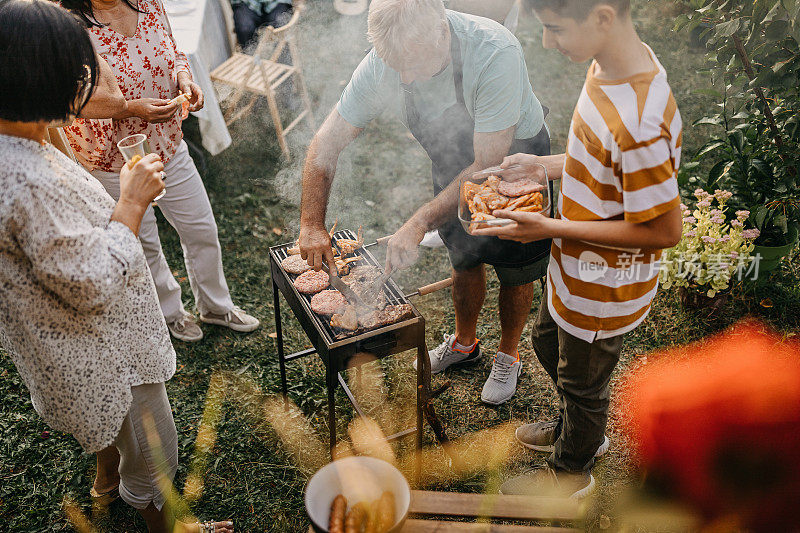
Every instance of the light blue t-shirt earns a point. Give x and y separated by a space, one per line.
497 91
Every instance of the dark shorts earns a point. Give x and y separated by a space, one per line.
508 276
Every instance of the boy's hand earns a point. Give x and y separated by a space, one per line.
527 166
528 227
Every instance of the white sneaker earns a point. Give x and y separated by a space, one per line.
446 355
502 382
185 329
541 437
235 319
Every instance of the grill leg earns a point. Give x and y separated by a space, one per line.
423 363
276 295
331 376
425 403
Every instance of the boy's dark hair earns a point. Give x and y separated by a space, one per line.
48 68
578 9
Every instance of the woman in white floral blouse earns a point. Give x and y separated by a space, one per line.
78 309
134 37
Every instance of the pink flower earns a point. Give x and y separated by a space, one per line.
708 240
734 255
717 220
722 196
724 238
700 194
736 224
690 220
691 234
742 215
703 204
751 234
683 207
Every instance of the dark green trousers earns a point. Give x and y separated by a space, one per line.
581 372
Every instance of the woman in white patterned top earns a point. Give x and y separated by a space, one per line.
78 309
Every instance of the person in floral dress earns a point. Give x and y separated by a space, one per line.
136 41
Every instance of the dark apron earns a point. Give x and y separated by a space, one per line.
448 140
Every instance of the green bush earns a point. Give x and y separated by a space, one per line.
753 151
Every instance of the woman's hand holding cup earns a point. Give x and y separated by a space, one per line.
141 182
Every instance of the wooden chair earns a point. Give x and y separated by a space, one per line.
261 74
562 515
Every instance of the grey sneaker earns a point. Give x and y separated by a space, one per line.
549 483
446 355
235 319
541 436
185 329
502 382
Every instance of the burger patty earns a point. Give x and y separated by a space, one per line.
312 282
388 315
515 189
295 264
328 302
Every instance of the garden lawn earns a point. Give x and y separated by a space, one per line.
250 476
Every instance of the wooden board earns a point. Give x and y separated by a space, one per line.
494 506
435 526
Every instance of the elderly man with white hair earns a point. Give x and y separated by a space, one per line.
460 85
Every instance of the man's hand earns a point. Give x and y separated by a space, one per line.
188 86
527 227
153 110
315 246
523 166
403 248
141 184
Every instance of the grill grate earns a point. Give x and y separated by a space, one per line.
394 295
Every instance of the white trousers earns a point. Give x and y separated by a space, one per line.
187 209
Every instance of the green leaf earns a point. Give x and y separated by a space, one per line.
727 29
759 216
709 148
778 29
711 121
715 174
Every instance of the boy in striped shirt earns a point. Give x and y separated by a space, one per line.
618 208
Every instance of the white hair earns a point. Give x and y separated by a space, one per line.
397 27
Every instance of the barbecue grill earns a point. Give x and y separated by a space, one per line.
337 349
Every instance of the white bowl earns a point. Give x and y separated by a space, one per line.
359 479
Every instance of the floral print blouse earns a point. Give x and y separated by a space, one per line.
146 66
79 314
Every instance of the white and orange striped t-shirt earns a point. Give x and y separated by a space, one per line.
622 158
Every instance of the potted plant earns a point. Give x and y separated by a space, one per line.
760 183
712 254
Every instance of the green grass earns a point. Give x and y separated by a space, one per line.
382 179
